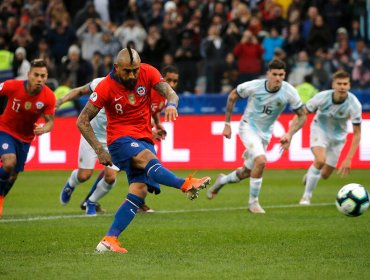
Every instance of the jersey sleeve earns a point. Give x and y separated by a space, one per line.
50 104
244 90
294 100
154 76
99 94
356 112
313 104
6 88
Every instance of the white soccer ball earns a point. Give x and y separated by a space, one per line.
352 200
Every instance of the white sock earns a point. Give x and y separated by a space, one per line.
255 185
73 181
313 177
101 190
230 178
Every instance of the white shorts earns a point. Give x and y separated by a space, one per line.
318 138
87 156
253 143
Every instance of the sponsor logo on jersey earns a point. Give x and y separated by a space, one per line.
134 144
131 98
28 105
40 105
94 96
1 86
5 146
141 90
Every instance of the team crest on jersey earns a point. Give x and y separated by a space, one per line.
340 113
5 146
141 90
131 98
1 86
40 105
27 105
93 96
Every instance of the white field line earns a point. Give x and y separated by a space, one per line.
42 218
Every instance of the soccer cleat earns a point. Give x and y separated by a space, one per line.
305 200
98 207
145 209
90 208
1 205
191 186
65 195
256 208
213 191
110 244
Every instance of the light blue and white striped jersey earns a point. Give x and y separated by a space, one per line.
99 123
332 118
264 107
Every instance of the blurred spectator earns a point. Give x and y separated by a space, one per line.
323 68
155 17
133 12
60 37
67 108
131 30
341 45
336 15
355 33
308 23
319 37
56 13
22 38
103 7
293 43
306 90
75 69
213 50
249 56
107 65
90 35
6 62
21 65
295 5
360 51
361 73
255 25
270 43
231 36
167 60
87 12
97 65
109 44
186 58
116 10
154 47
242 16
38 29
277 20
300 69
230 74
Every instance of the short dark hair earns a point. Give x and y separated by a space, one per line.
169 69
38 62
277 64
341 74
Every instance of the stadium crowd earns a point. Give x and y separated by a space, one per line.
215 44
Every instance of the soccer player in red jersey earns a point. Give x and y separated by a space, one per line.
27 101
126 96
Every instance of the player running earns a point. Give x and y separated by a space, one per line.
28 100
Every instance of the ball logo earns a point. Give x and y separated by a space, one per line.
5 146
1 86
94 96
134 144
40 105
141 90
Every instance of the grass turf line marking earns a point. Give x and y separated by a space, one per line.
43 218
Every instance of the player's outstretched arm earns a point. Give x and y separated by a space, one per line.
345 167
298 121
83 123
165 90
231 99
73 95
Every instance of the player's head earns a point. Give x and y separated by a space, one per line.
37 75
171 74
341 83
127 67
275 74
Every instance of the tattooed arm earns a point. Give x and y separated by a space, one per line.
231 99
83 123
165 90
298 121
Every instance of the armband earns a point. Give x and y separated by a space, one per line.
228 123
171 104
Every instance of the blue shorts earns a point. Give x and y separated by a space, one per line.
11 145
122 150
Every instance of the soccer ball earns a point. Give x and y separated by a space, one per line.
352 200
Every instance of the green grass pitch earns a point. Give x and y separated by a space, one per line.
201 239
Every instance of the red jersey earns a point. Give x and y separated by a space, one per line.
158 102
128 111
23 110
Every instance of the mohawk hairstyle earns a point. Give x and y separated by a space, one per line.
130 53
